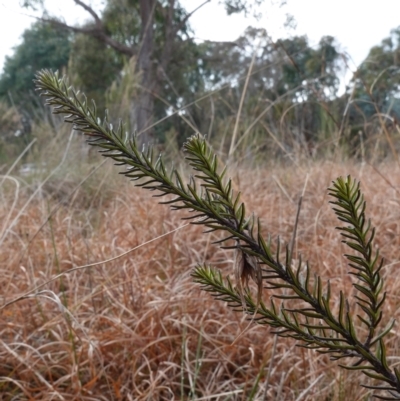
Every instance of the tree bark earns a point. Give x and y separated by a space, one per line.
143 107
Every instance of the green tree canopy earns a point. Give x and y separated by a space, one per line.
42 46
156 33
288 74
94 66
377 80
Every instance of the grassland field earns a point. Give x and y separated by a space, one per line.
126 322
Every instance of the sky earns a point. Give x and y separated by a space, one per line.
357 24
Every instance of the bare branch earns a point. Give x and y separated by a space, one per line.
89 10
97 31
183 22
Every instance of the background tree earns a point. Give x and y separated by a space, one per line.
42 46
93 67
377 81
153 32
374 95
157 70
291 83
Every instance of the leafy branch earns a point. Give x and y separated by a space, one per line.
213 203
358 235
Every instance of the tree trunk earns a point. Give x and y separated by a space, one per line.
143 106
152 72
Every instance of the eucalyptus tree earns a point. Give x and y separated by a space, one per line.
41 47
376 83
155 32
288 74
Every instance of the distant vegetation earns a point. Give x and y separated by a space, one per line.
148 74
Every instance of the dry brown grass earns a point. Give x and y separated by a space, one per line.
137 328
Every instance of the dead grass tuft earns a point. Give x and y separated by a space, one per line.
137 328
